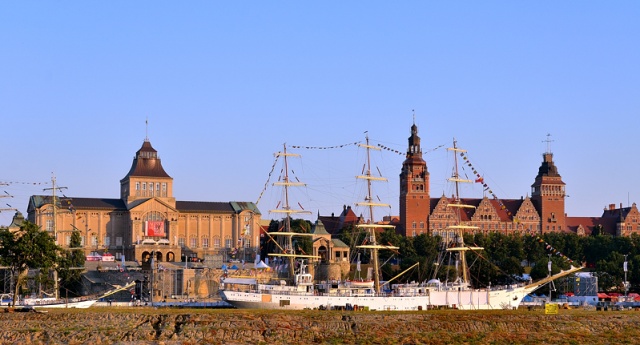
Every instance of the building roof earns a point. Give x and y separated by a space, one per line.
146 163
318 228
37 201
204 206
338 243
240 206
333 224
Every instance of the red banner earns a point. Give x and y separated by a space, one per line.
154 228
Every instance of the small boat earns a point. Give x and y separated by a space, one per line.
82 302
51 302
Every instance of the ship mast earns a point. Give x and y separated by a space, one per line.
54 204
286 208
458 206
371 226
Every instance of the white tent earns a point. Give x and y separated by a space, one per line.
262 265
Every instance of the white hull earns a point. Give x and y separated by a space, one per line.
411 297
52 303
466 300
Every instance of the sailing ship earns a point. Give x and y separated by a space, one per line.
304 293
82 302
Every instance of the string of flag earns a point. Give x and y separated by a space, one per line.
273 167
403 153
23 182
553 250
323 147
390 149
480 179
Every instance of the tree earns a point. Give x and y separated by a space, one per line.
70 262
29 247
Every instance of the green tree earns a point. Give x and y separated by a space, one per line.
71 263
27 248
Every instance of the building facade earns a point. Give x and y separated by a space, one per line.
542 212
147 219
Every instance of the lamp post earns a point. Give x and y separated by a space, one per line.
551 282
626 283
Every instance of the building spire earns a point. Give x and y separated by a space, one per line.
548 141
146 129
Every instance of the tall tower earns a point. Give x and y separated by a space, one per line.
414 189
147 178
548 195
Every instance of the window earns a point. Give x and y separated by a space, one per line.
164 189
158 186
181 241
107 241
216 242
144 186
94 240
413 225
194 242
227 242
205 242
118 241
137 185
247 243
50 225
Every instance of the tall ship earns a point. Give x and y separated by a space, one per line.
304 292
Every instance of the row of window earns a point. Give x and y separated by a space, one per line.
146 189
181 242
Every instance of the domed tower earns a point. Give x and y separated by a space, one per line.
147 179
414 189
548 195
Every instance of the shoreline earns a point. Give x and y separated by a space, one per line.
173 326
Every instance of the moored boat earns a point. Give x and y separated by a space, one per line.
303 293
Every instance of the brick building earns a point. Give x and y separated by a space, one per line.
542 212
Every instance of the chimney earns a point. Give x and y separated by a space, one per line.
612 207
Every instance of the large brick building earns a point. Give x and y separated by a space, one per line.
542 212
148 219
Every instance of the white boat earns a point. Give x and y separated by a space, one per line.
51 302
75 302
304 293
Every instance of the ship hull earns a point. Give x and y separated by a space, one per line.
59 304
465 300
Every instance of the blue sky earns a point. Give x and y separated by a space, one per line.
224 84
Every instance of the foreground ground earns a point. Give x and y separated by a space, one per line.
101 325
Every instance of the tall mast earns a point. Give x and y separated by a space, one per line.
371 226
286 208
54 203
458 205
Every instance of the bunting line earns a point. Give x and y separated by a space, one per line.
273 167
553 250
324 147
480 179
22 182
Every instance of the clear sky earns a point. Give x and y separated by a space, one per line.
224 84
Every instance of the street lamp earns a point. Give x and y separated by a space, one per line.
551 282
626 283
